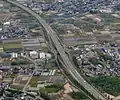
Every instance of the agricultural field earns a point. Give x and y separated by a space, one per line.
12 45
52 88
33 82
19 82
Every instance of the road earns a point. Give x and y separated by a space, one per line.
70 68
26 85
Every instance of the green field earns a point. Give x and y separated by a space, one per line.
51 89
78 96
17 87
20 61
12 45
33 81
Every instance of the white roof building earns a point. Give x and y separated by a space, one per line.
45 55
0 29
34 54
14 55
7 23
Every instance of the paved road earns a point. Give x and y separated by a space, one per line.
70 68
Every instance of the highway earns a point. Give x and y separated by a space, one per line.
69 67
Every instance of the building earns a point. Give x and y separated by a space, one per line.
6 23
34 54
14 55
45 55
31 44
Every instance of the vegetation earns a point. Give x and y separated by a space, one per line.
99 52
103 56
16 87
78 96
10 76
20 62
10 92
13 91
45 96
33 82
108 84
1 47
95 61
76 83
13 45
52 88
106 57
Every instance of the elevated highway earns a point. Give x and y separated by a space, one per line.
69 67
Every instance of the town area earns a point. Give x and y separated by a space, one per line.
59 50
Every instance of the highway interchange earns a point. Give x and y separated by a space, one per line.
70 68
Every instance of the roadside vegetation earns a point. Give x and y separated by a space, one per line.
108 84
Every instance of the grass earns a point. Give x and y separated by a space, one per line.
1 47
51 89
20 61
13 45
33 82
78 96
17 87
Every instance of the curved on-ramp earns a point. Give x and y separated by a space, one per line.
70 68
